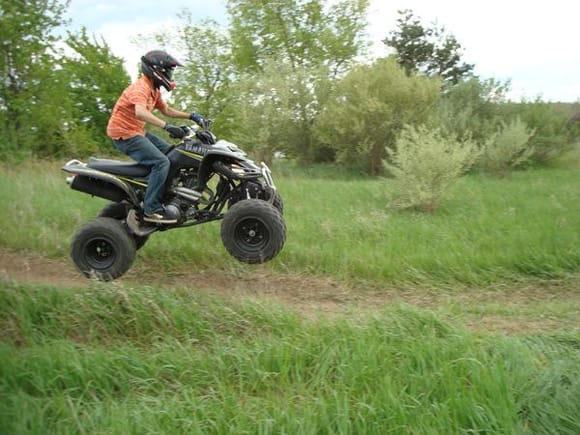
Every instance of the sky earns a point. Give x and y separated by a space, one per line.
532 44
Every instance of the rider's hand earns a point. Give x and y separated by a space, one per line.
197 118
174 132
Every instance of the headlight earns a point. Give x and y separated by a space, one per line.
238 170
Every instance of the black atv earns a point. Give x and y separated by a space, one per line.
208 180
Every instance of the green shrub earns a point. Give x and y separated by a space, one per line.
551 137
424 164
471 108
508 148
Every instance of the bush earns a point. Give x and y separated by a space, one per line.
471 108
425 164
508 148
551 137
368 110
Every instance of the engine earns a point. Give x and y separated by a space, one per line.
176 208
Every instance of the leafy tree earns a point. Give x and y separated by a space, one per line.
275 111
203 83
26 38
430 51
287 52
370 107
95 79
302 33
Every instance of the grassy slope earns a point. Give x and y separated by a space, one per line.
109 359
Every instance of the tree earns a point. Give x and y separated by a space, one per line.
26 38
287 53
508 148
552 135
95 78
430 51
204 81
370 107
275 111
208 71
302 33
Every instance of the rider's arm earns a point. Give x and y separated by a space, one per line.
174 113
143 114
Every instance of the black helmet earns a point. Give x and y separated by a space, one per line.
159 66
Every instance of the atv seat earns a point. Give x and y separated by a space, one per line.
116 167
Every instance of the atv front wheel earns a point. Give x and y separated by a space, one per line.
253 231
103 249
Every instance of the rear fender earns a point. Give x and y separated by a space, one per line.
98 183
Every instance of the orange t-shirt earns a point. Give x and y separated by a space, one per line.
123 122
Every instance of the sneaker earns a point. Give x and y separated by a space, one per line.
159 218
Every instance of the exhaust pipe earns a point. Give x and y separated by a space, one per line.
96 187
189 194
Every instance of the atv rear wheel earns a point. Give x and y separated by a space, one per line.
103 249
115 210
119 211
253 231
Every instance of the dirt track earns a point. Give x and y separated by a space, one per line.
318 296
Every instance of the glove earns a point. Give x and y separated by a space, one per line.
174 132
197 118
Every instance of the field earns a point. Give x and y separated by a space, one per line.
465 320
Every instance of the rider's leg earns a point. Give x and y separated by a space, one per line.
144 151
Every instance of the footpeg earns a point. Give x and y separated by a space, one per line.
137 227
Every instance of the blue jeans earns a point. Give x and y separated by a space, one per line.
148 151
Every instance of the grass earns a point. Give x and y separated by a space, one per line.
488 230
122 358
111 359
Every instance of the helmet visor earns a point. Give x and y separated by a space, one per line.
168 72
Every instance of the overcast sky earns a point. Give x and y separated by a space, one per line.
534 44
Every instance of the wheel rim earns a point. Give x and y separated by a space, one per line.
100 254
252 234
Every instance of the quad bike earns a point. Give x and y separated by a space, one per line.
208 180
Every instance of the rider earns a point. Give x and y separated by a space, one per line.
127 127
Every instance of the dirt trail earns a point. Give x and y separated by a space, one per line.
315 296
307 294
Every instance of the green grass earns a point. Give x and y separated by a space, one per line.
488 230
119 360
123 358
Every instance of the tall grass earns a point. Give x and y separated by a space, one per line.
487 230
109 359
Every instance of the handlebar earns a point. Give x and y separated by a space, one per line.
203 133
